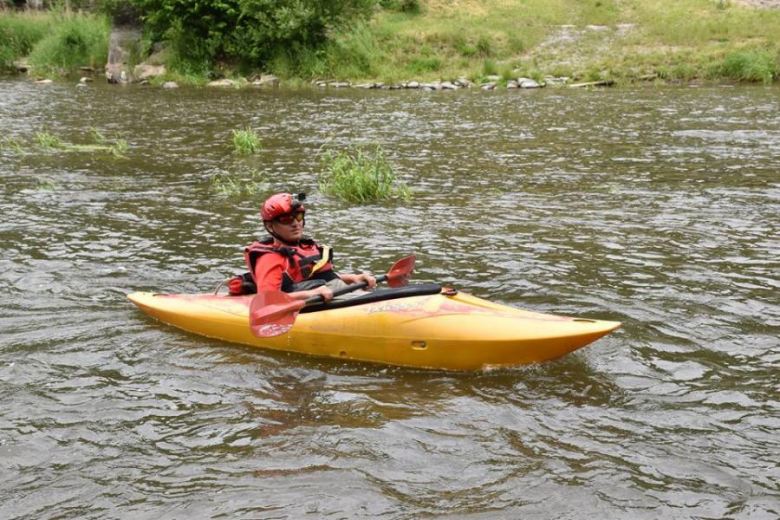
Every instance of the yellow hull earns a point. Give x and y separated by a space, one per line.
459 332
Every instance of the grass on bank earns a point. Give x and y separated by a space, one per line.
445 39
54 43
360 176
584 39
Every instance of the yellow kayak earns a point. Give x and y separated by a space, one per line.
417 326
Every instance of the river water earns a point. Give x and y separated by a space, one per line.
657 207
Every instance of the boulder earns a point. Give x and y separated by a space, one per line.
528 83
121 41
146 71
170 85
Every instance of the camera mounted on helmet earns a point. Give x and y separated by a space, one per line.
297 201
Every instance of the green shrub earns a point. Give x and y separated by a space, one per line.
757 65
359 176
246 141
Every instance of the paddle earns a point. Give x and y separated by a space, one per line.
273 313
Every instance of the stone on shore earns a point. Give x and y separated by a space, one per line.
221 83
602 83
266 80
170 85
527 83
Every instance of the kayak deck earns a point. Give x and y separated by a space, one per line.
439 331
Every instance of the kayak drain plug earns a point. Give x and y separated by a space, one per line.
419 345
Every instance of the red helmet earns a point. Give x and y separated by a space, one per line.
282 204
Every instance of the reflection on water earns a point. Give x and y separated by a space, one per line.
655 207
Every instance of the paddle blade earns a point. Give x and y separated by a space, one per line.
402 270
273 313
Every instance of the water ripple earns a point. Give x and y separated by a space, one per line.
655 207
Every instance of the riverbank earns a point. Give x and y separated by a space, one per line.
487 44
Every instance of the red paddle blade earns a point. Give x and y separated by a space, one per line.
402 270
273 313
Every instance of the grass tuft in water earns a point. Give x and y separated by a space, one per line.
235 185
12 144
246 141
44 139
360 176
46 185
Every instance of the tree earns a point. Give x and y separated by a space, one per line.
249 32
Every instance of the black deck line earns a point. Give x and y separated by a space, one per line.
378 296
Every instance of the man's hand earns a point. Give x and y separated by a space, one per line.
365 276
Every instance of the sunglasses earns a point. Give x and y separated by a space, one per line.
288 218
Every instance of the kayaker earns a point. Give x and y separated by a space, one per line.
289 262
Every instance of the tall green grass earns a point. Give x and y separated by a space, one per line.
19 32
360 176
74 41
755 65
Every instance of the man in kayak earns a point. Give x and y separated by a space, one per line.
289 262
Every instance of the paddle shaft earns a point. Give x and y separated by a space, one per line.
344 290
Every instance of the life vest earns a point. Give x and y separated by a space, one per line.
306 260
